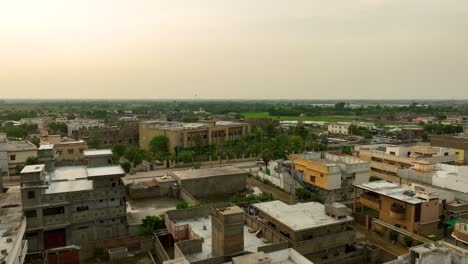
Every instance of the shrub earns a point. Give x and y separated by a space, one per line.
408 241
393 235
150 224
182 205
303 194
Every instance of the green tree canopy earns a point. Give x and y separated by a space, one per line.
159 146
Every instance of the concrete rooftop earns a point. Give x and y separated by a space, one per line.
251 242
68 173
391 190
33 168
140 208
300 216
97 152
69 186
105 171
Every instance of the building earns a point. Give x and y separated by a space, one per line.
339 128
436 252
457 143
218 232
411 210
40 122
67 149
206 182
385 161
13 246
331 175
460 231
126 134
73 204
3 159
186 135
319 232
13 155
78 124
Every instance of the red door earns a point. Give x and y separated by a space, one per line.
54 238
64 257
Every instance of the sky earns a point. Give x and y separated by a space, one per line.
237 49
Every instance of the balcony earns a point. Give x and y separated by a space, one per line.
370 201
397 211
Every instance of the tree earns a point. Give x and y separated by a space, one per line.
126 166
95 143
159 146
36 141
135 156
347 150
185 156
303 194
408 241
340 106
32 161
119 150
182 205
150 224
58 128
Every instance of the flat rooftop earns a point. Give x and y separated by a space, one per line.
69 186
138 209
284 256
300 216
105 171
33 168
46 147
68 173
392 190
22 145
207 172
97 152
251 241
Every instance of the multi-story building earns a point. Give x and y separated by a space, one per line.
126 134
187 134
67 149
412 210
435 252
460 231
75 204
456 143
386 160
331 175
13 246
41 122
13 155
78 124
315 230
339 128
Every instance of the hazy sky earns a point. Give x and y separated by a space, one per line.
269 49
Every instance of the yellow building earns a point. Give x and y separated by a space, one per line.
186 134
416 211
332 175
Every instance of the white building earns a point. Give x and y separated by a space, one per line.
83 123
339 128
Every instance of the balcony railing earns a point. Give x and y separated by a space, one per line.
397 211
370 201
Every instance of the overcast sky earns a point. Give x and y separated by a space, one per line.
267 49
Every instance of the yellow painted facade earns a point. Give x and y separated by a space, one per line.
315 173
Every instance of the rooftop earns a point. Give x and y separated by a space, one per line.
138 209
392 190
207 172
46 146
251 241
22 145
105 171
68 173
33 168
284 256
97 152
300 216
69 186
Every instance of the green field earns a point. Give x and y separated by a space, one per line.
293 118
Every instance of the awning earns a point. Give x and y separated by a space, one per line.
452 221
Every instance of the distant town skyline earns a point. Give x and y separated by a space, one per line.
217 49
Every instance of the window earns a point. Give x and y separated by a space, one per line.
70 151
81 151
82 208
30 213
53 211
113 184
312 179
13 157
31 194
